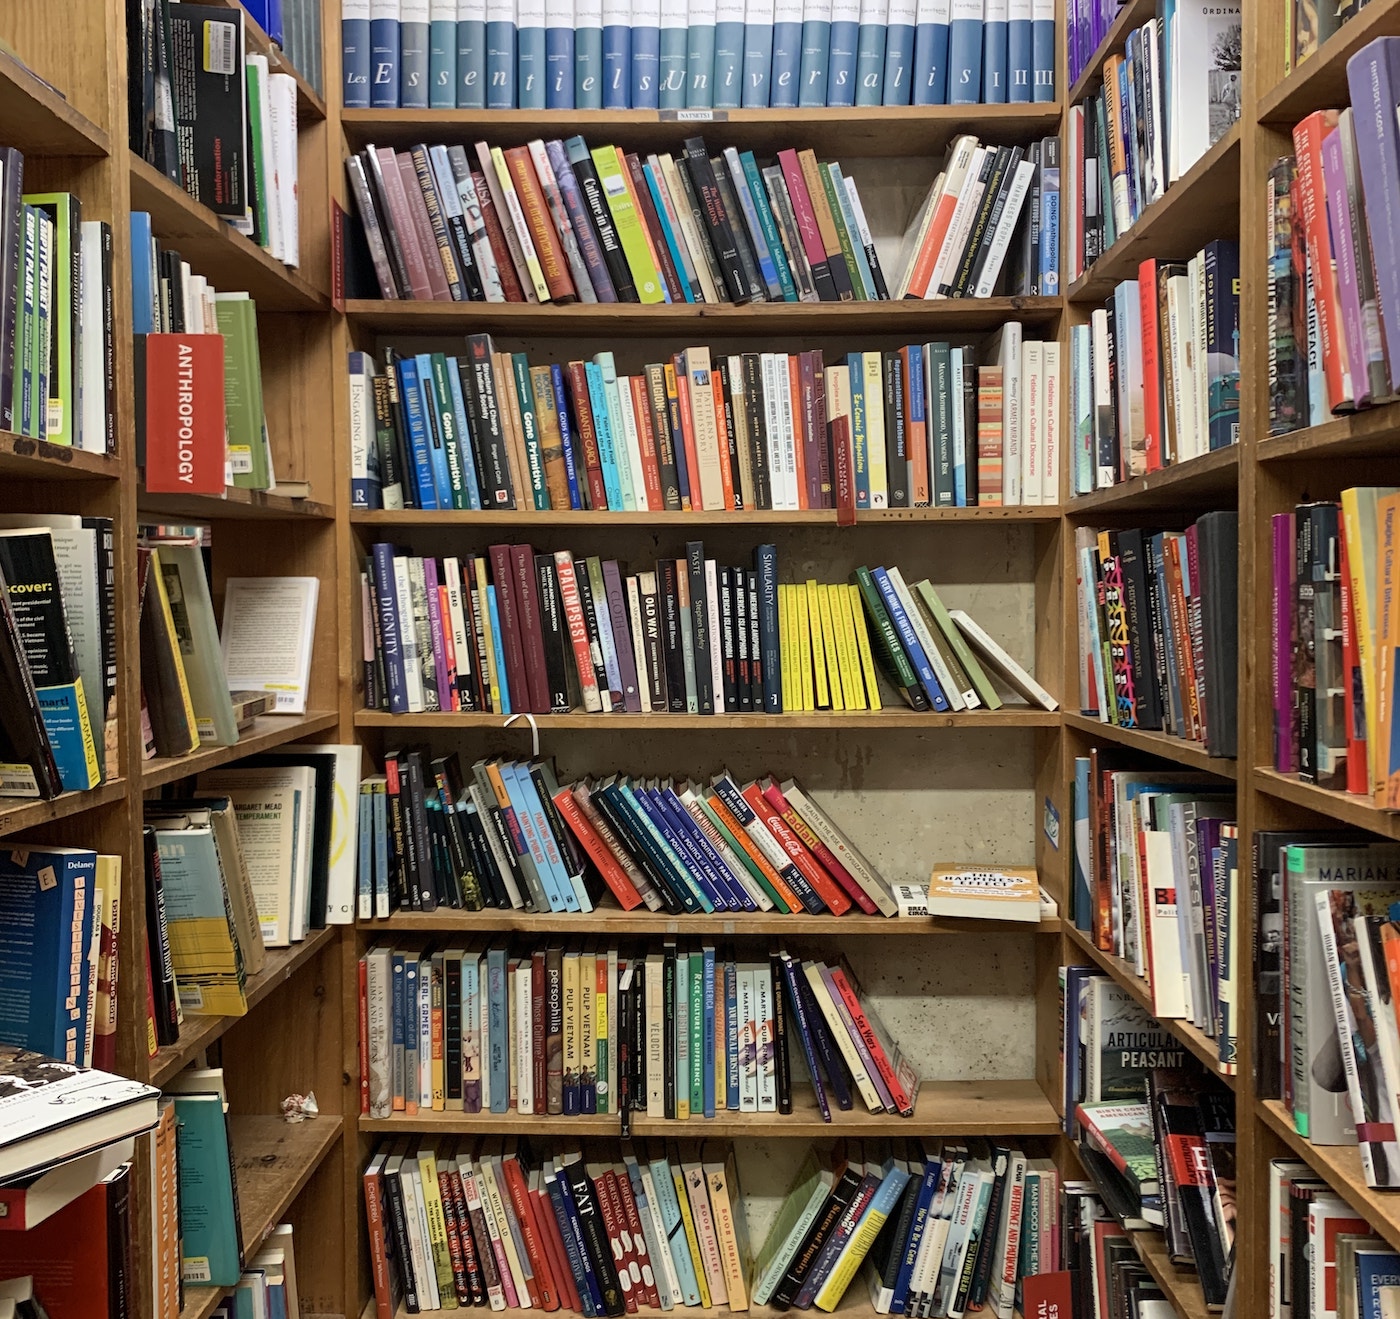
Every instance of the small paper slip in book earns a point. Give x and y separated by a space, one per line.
1009 893
269 628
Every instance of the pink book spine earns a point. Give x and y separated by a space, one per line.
1285 746
1339 211
802 207
402 219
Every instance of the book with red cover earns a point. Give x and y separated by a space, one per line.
523 1204
807 865
386 164
1152 413
821 853
843 474
1312 193
180 412
649 1295
646 437
508 612
496 237
1048 1295
554 1244
588 436
527 603
629 1273
542 231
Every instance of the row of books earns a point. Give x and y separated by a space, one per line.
295 27
931 1227
1158 642
510 631
1155 374
57 381
1130 1087
1165 101
1329 1258
202 685
510 837
1334 262
921 426
672 1033
216 120
1332 672
640 55
1166 902
1323 981
58 727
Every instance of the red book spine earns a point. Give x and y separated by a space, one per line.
616 1227
537 1032
364 1035
542 234
507 610
651 224
527 601
1358 776
476 1280
844 474
649 1295
1151 363
646 435
726 470
401 217
558 1256
802 210
378 1257
598 851
588 437
184 414
1307 146
824 856
455 1250
496 236
524 1211
821 882
902 1099
799 428
578 631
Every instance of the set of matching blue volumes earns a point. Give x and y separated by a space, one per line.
708 55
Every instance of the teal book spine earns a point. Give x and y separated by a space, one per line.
211 1253
1018 51
699 1063
995 76
856 364
700 55
588 54
784 80
764 211
602 425
816 52
442 55
841 66
931 20
464 436
500 55
672 57
848 218
758 53
670 1207
899 52
413 54
870 52
559 55
679 255
471 54
730 81
965 53
646 54
531 71
607 365
617 54
530 431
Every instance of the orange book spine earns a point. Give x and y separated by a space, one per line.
918 441
529 1229
726 471
547 247
692 462
741 836
822 883
799 430
1307 146
646 438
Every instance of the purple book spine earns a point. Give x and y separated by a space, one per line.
866 1061
1335 181
804 1033
622 636
1207 841
581 220
1373 78
1285 759
439 630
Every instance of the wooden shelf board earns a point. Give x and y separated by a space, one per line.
630 320
610 920
273 1161
1197 1041
1213 478
1131 15
1320 83
1372 433
235 502
855 1304
943 1108
1190 754
200 1032
268 731
1340 1167
310 104
1181 1286
853 131
230 260
1203 204
1020 717
39 121
577 520
18 813
1347 807
36 460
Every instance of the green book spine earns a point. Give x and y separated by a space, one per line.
243 399
959 646
887 648
43 315
848 251
448 426
759 878
63 401
628 225
768 225
697 1033
530 430
257 194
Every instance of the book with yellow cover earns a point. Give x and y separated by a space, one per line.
853 1253
1003 893
726 1204
867 658
852 684
813 646
833 662
804 644
628 225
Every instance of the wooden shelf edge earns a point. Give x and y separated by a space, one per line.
40 121
268 731
1181 1286
200 1032
1347 807
1368 433
18 813
1311 85
583 520
1201 1045
1210 473
38 460
1020 717
612 920
1192 755
235 502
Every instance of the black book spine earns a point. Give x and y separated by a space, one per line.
748 259
672 651
556 640
755 648
782 1063
399 886
571 854
458 852
894 1241
992 177
652 648
372 666
1132 563
120 1264
703 642
717 225
490 438
590 622
896 441
757 428
452 1028
398 1224
815 1239
11 229
158 943
595 1236
414 861
827 1051
668 1017
638 849
729 658
418 822
984 244
392 239
601 216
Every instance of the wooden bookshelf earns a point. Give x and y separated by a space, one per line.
1344 807
1366 434
18 813
1131 15
890 718
268 731
39 121
524 520
1190 755
1320 82
233 503
26 459
1195 485
310 103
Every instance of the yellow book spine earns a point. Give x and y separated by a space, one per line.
833 662
822 692
483 612
867 658
784 637
851 682
628 225
163 603
1362 622
804 645
728 1241
515 216
588 1017
792 677
571 1018
691 1240
437 1221
852 1256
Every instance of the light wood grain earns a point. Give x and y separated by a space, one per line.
1186 488
721 723
1320 83
234 503
268 731
18 813
584 521
39 121
36 460
1192 755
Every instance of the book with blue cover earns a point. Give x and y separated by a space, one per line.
384 54
816 52
870 51
1018 51
931 33
588 54
646 54
414 29
899 52
674 33
909 640
700 54
46 919
841 65
354 53
531 74
730 88
498 1027
471 55
1042 50
965 53
500 55
783 80
442 54
617 54
211 1236
559 55
994 52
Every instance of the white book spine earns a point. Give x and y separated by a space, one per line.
1032 405
1050 480
716 650
632 444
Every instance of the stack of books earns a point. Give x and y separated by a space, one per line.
642 55
513 838
58 658
514 631
1334 256
1155 375
56 382
922 426
559 222
216 120
1165 101
666 1032
1186 944
1158 645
